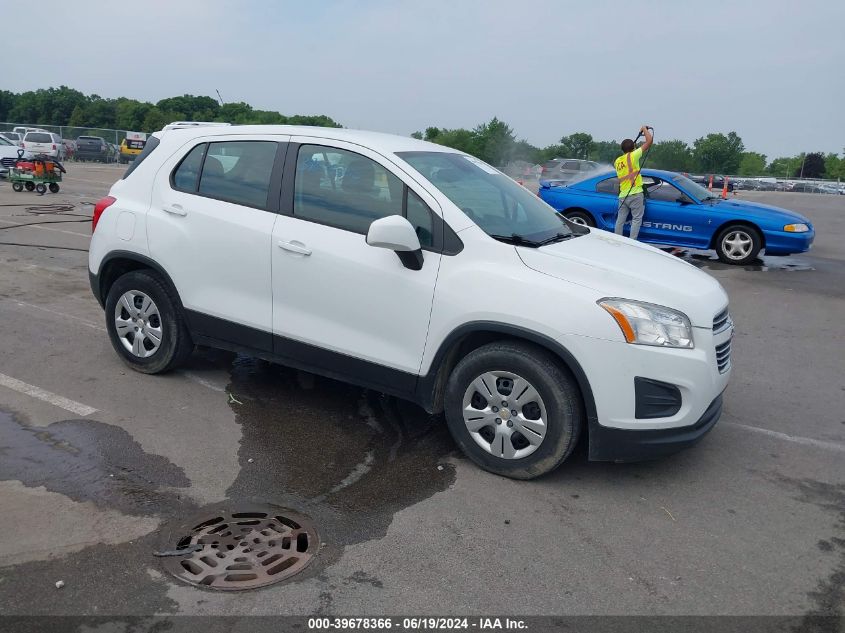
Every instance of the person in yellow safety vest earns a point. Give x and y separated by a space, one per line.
631 184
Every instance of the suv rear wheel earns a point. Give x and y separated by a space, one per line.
513 410
145 323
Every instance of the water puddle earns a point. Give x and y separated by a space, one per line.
708 260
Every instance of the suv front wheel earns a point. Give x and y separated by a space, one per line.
145 323
513 410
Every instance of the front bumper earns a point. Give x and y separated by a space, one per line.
623 445
783 243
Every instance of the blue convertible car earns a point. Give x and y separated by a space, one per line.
679 212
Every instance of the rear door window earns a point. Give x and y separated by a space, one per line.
238 171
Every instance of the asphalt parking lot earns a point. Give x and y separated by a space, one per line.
98 464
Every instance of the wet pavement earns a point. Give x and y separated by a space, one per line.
751 521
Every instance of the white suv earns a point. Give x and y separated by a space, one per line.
415 270
43 142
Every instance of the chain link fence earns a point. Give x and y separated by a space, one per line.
69 134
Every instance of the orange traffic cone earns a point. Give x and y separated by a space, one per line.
725 189
710 186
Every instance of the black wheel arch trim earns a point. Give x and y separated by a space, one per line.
96 279
430 387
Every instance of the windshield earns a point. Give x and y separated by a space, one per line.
493 201
3 141
693 188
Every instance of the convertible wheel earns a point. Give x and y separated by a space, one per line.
738 244
580 217
513 410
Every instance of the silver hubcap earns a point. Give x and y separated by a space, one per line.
578 220
505 414
138 323
737 245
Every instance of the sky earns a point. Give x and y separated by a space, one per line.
773 71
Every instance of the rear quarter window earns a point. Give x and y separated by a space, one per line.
150 145
608 185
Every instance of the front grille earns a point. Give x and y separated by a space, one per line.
723 356
8 162
721 321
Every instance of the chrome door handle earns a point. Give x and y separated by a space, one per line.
175 209
295 247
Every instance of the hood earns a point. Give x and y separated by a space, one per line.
756 209
616 266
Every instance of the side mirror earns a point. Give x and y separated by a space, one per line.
683 200
396 234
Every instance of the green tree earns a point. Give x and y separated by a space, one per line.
154 120
551 151
431 133
193 108
718 153
752 164
674 155
834 167
78 117
417 135
780 167
812 166
459 139
494 142
605 151
7 102
577 145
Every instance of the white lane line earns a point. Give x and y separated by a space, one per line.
202 381
42 394
43 227
360 469
806 441
24 304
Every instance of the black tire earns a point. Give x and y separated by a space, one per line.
17 186
176 344
556 387
41 188
580 217
29 186
54 188
738 231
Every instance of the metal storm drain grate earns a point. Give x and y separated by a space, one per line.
244 550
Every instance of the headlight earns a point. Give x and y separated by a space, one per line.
649 324
796 228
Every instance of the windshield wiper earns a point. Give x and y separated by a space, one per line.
555 238
516 240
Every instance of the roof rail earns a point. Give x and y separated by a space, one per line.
181 125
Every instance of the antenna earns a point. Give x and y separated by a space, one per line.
219 96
